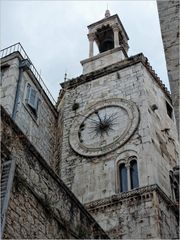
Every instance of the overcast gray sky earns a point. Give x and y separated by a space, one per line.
54 33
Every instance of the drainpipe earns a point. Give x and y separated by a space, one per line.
23 66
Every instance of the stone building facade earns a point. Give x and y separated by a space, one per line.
40 205
35 203
119 139
169 13
19 86
110 144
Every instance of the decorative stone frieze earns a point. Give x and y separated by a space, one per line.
133 195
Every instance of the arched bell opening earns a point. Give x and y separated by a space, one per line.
105 39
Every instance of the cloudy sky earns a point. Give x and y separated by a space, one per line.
54 33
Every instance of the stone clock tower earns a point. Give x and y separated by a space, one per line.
118 144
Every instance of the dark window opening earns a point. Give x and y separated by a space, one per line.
4 68
169 109
134 174
171 183
174 186
176 191
107 44
123 178
105 39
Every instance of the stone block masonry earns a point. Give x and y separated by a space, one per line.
169 13
40 204
39 127
131 80
144 212
94 177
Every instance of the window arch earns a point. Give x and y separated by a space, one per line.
123 178
134 174
127 174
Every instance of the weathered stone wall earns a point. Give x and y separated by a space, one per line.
40 205
96 178
169 13
98 62
168 214
59 135
41 129
143 213
9 77
98 174
163 138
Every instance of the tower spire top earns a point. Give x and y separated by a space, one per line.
107 13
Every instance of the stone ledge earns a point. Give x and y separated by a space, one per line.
143 193
100 55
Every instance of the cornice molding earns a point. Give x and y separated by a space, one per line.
140 194
104 20
75 82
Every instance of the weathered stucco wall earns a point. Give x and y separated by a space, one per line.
40 205
169 13
41 129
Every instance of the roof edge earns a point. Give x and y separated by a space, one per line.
73 83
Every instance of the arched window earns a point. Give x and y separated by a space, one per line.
134 174
123 178
127 176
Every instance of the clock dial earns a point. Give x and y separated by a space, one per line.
103 127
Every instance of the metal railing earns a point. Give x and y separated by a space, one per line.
17 47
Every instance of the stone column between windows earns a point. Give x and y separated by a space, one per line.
128 176
91 37
116 36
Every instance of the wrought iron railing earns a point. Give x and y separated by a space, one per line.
17 47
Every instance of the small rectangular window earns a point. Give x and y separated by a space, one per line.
32 99
4 68
169 110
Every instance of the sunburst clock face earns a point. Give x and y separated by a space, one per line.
104 127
